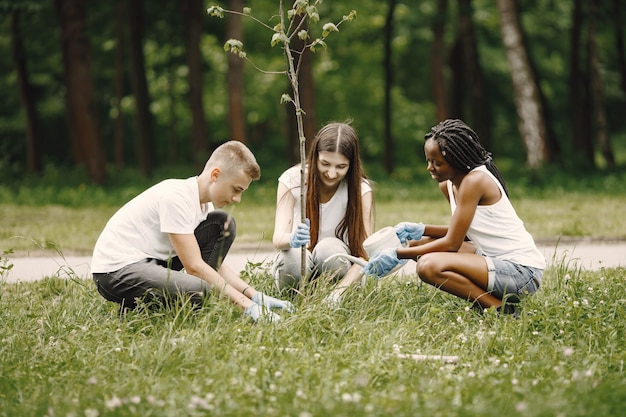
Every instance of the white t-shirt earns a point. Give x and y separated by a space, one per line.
499 232
331 212
139 230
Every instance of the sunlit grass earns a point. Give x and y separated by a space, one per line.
65 351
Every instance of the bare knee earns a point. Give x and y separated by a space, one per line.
428 268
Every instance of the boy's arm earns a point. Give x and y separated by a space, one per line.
188 251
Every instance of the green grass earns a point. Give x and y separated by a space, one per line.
37 215
64 351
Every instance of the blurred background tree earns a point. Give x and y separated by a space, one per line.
155 88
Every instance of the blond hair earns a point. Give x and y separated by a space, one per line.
232 156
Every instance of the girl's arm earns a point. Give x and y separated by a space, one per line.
452 237
367 201
283 221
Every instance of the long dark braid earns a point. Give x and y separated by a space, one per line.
461 148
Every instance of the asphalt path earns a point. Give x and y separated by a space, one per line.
585 254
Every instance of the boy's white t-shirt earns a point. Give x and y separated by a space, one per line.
139 229
331 212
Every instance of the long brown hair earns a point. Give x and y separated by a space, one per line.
341 138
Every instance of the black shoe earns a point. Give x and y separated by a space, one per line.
509 309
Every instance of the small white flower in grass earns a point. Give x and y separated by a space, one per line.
459 319
521 407
252 371
568 351
585 302
92 381
90 412
535 333
566 277
317 355
278 374
590 289
514 381
471 374
588 373
113 403
135 399
576 303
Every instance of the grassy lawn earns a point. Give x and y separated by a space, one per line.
64 350
549 215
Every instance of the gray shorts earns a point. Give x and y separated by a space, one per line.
510 280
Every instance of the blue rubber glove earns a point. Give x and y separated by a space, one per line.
382 263
302 235
271 302
409 231
259 312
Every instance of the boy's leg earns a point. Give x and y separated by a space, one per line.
215 236
151 281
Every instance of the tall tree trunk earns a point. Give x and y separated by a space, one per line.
27 96
118 87
87 144
531 122
388 68
579 114
597 93
194 12
144 139
236 114
619 43
303 63
437 61
474 79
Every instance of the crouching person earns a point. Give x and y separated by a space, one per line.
174 225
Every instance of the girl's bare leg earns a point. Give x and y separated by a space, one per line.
459 273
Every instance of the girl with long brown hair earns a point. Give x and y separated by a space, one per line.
339 210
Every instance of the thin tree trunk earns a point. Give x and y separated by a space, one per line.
619 43
437 61
474 79
388 68
118 120
80 97
597 90
27 97
579 116
193 11
303 67
143 118
235 80
531 122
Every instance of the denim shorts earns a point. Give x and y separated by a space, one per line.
510 280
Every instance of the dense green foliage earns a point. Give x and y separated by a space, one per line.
65 351
348 75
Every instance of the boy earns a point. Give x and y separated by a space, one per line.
173 225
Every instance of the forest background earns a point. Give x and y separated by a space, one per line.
105 87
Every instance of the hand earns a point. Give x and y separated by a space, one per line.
409 231
259 312
302 235
271 302
382 263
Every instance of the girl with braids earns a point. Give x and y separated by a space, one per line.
339 215
485 255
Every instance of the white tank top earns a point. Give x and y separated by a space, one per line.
331 212
498 232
